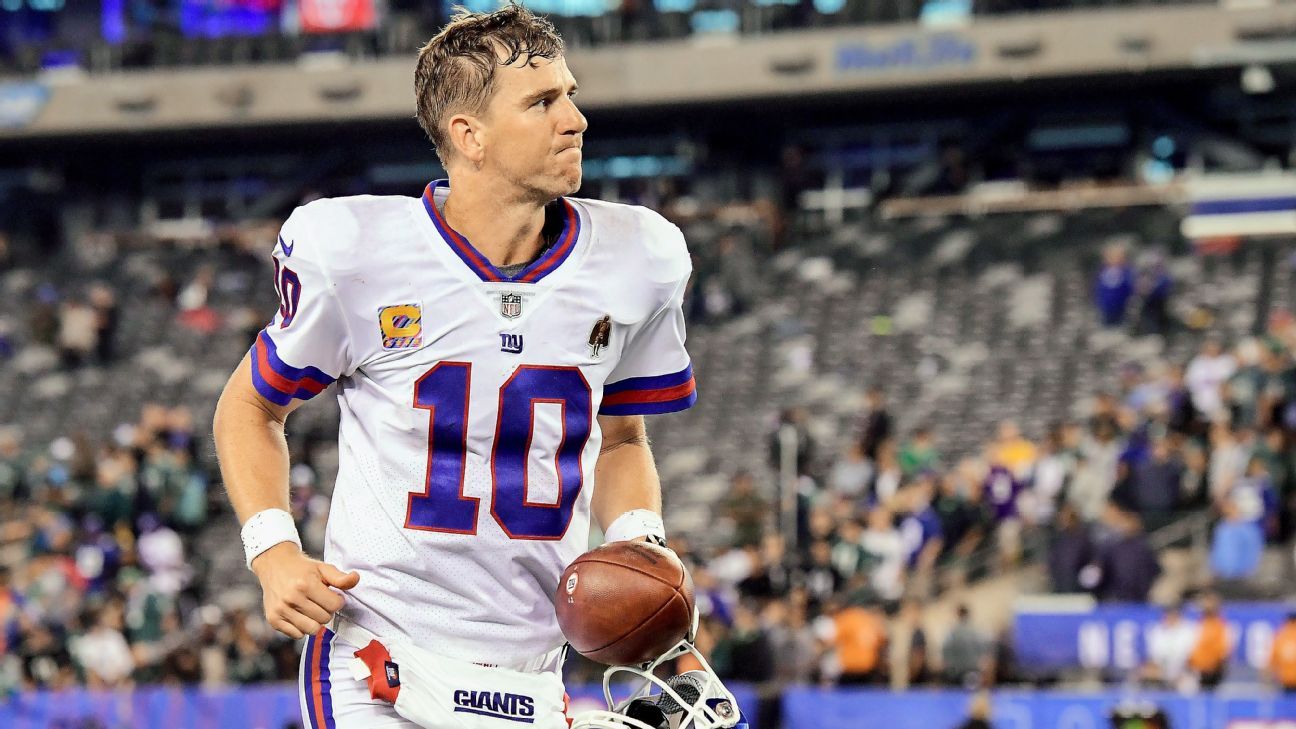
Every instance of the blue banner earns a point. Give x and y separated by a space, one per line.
273 706
843 709
276 707
1116 636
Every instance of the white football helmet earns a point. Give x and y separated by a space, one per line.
691 700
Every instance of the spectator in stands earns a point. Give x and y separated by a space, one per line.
1156 483
1170 644
966 655
1282 656
791 639
744 653
797 421
1070 549
1181 416
1000 493
1104 414
885 550
820 577
875 422
715 599
1209 658
104 303
194 295
856 636
770 574
1124 565
1277 456
958 506
13 464
852 473
746 509
161 552
77 328
1194 486
1277 387
1206 374
43 316
44 655
738 273
1051 476
920 529
1241 392
1114 286
887 476
1154 288
192 302
919 453
1255 493
1237 543
103 653
849 558
1095 471
1011 450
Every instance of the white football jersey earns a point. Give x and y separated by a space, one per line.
468 435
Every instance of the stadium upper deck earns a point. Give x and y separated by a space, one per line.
114 34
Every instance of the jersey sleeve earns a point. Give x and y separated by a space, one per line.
654 374
304 348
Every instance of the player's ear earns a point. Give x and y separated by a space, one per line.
467 138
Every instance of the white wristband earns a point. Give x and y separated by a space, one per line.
266 529
634 524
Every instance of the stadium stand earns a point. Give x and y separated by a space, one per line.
970 323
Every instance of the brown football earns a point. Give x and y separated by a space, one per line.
625 603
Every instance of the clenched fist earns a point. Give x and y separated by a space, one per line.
298 594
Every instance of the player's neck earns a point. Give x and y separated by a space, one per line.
506 231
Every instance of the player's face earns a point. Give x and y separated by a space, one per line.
534 130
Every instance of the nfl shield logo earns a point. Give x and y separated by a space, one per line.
511 305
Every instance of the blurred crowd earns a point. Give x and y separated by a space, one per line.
103 577
885 524
97 572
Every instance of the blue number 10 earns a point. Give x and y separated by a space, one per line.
442 505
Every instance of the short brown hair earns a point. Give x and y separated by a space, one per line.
456 69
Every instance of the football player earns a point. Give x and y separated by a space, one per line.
494 346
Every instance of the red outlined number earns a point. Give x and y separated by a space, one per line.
442 505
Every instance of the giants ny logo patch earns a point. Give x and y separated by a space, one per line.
401 326
511 343
496 704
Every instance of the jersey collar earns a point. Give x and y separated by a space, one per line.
480 265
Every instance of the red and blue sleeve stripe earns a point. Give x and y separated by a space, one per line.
279 382
650 395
